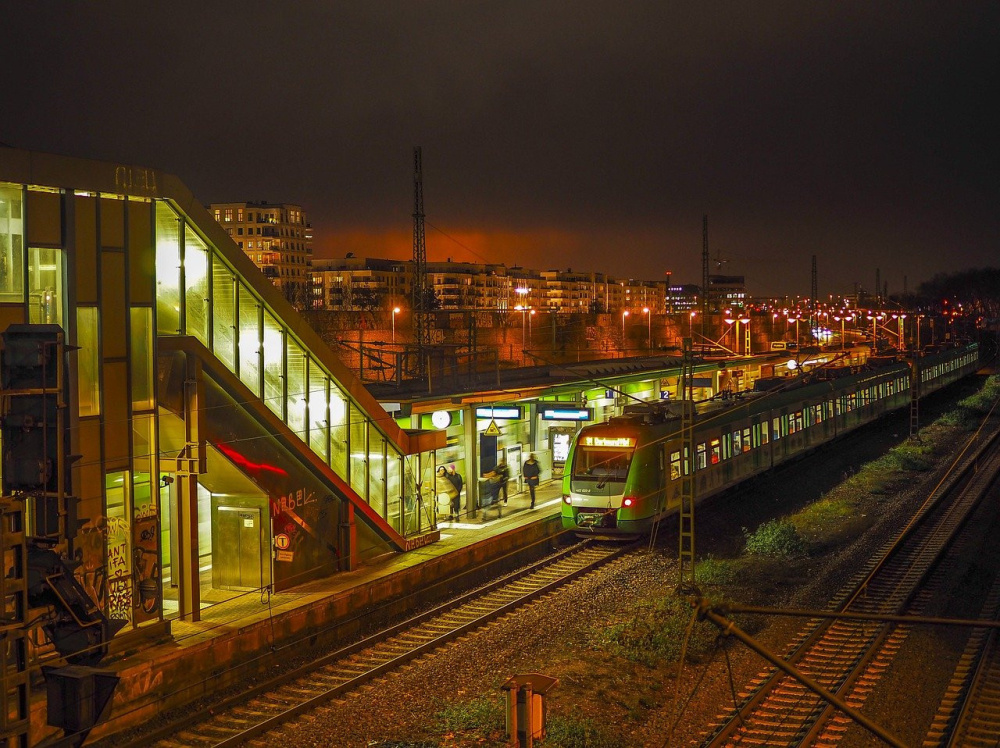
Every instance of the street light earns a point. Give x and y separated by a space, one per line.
649 328
731 322
395 311
531 314
691 324
522 310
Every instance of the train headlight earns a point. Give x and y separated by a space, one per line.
567 499
628 501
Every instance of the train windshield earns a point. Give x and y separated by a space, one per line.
603 459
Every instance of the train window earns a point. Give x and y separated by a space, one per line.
798 420
756 435
675 465
746 439
776 423
601 464
727 446
737 442
701 455
716 451
763 432
687 461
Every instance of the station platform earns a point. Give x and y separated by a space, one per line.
243 637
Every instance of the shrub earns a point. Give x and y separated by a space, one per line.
777 538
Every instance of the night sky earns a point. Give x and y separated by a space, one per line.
586 135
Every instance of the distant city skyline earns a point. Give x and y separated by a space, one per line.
859 133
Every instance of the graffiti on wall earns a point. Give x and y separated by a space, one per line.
119 603
145 563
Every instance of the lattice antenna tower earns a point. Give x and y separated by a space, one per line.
421 311
704 273
814 290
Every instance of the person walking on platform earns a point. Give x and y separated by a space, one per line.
503 474
531 470
456 500
445 488
491 492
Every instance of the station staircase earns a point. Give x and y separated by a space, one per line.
185 361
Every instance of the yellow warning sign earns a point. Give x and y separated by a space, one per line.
492 429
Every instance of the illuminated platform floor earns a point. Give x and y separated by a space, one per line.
235 636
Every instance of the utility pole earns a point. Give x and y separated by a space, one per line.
878 288
421 311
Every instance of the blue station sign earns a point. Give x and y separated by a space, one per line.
506 413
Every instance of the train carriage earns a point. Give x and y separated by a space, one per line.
623 474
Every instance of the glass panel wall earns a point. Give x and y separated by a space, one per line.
274 348
88 361
338 431
376 471
276 368
223 314
11 244
359 453
295 364
141 357
249 340
45 291
196 269
168 271
319 419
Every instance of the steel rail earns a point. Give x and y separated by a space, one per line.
234 721
890 577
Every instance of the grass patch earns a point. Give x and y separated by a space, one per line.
777 538
970 411
824 512
712 570
567 732
482 716
655 632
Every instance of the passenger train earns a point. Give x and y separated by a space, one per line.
624 474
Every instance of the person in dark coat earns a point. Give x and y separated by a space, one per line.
456 500
531 470
503 475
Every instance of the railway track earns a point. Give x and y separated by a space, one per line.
269 705
969 715
846 657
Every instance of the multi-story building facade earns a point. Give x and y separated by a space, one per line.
277 237
351 284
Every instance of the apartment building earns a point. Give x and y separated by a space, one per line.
277 237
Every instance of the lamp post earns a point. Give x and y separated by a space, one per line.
731 322
531 313
746 333
395 311
691 316
522 310
624 315
649 328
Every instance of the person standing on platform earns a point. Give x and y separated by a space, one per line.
531 470
456 500
503 475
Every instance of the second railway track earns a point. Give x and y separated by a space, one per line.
253 713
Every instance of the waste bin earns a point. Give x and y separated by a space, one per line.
526 707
